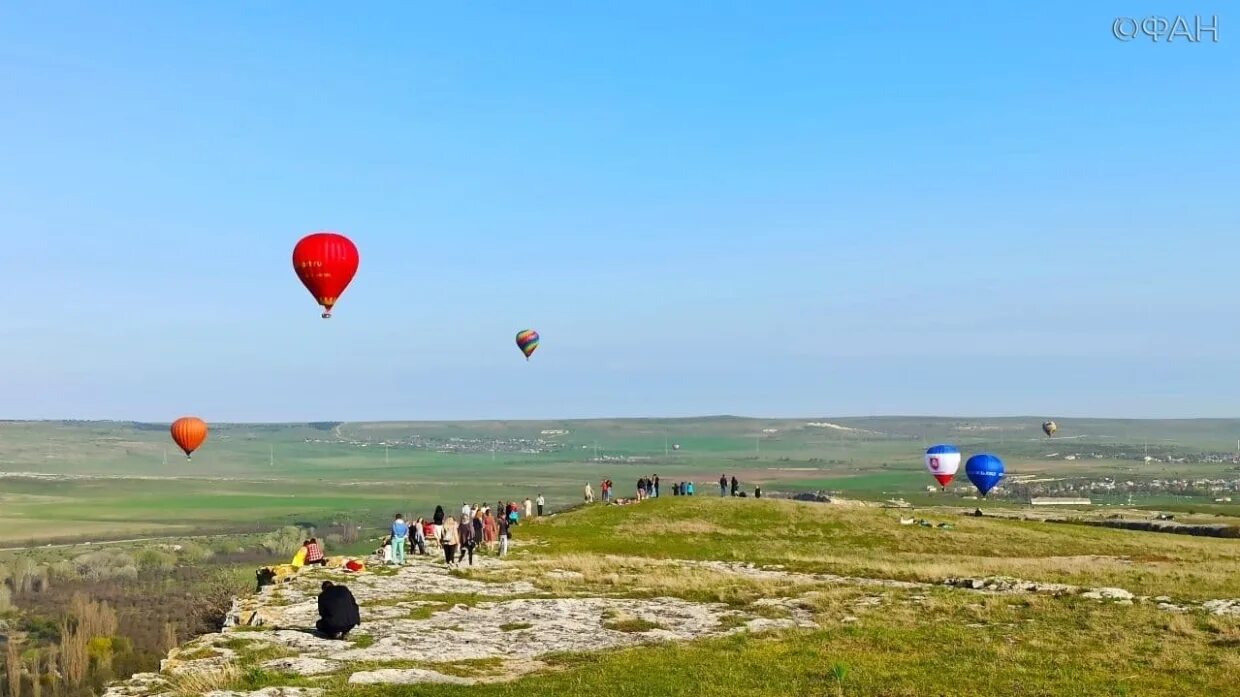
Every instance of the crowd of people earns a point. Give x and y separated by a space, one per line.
478 528
649 487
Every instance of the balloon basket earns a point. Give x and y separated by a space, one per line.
327 315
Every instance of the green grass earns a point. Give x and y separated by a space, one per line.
632 625
870 542
991 646
514 626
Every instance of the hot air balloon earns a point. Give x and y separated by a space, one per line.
943 461
1049 428
985 471
325 262
189 432
527 341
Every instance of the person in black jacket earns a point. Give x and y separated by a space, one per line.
338 613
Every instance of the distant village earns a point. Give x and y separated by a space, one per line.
1145 456
541 445
1055 490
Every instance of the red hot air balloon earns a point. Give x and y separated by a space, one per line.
325 262
189 432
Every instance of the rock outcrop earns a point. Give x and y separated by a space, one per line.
424 624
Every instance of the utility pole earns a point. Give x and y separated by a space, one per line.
596 451
271 455
166 453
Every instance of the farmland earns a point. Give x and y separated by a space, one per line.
99 480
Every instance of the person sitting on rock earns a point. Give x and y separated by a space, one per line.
385 550
314 552
338 611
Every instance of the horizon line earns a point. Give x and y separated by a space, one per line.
699 417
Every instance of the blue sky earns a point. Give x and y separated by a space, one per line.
708 207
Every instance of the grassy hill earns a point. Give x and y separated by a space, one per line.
873 614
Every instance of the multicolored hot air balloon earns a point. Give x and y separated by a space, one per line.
325 262
985 471
527 341
1049 428
189 432
943 461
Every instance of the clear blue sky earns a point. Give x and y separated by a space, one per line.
709 207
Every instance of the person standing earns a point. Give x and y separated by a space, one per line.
735 485
437 520
338 611
419 537
465 531
589 493
541 502
503 536
400 534
757 491
529 508
689 485
723 485
656 486
449 539
489 530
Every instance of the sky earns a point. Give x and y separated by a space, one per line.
763 209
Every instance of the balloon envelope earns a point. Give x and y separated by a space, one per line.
189 432
527 341
985 471
1049 428
943 461
326 263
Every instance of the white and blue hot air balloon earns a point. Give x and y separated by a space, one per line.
943 460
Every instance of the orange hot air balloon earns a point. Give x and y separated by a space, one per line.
189 432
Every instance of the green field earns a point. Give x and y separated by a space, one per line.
102 479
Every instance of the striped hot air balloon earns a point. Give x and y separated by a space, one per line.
527 341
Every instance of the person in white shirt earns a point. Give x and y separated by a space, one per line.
541 503
529 508
464 509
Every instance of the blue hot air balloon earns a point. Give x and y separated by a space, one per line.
985 471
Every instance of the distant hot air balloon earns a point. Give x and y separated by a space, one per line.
943 461
985 471
1049 428
675 446
325 262
189 432
527 341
